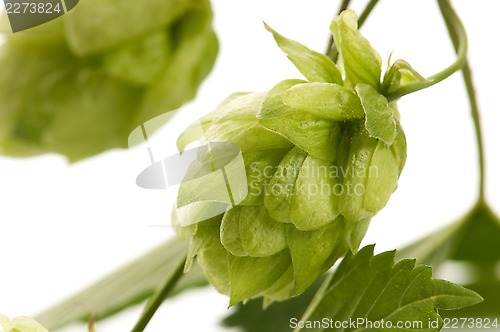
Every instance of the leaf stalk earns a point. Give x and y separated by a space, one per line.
158 297
459 37
455 35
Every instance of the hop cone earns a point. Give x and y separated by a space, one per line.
321 157
80 84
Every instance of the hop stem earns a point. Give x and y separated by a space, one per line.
368 9
158 297
454 32
466 73
331 51
459 37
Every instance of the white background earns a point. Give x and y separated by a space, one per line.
63 226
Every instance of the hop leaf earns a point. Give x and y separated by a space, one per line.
357 283
373 289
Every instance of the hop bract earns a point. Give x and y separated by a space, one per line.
80 84
321 157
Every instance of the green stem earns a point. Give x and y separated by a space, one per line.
459 36
364 15
332 51
466 73
469 85
330 47
158 297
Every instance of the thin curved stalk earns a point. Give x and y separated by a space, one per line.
364 14
471 92
459 36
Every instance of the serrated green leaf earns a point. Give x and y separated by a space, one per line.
472 243
326 100
362 64
315 67
375 288
316 135
127 286
488 285
379 118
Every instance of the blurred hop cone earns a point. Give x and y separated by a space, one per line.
322 156
79 84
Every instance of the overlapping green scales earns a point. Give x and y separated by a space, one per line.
321 158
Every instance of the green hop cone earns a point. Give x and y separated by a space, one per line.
321 157
80 84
